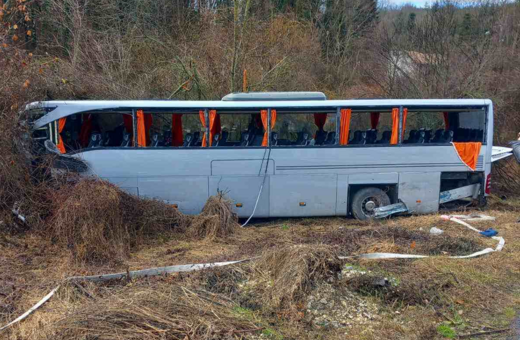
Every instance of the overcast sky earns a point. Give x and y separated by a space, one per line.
417 3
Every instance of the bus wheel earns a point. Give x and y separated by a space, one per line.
366 200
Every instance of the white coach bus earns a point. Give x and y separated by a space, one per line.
279 154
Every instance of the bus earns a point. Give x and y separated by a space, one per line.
286 154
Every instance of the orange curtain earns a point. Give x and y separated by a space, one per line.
141 129
263 114
395 126
446 121
203 122
346 114
374 119
468 152
86 129
405 114
214 126
320 119
177 136
61 126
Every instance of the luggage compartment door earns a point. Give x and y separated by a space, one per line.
303 195
420 191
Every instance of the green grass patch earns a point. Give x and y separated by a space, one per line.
446 331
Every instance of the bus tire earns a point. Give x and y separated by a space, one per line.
366 200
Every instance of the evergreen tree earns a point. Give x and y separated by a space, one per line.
411 22
466 28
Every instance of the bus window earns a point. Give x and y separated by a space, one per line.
240 129
468 126
434 127
304 129
85 130
426 128
370 128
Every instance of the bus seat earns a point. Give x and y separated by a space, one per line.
114 137
167 138
306 138
187 139
95 140
321 136
474 135
106 139
421 137
274 138
427 136
385 137
480 136
371 136
303 138
438 137
331 138
196 140
356 138
412 137
360 137
126 140
225 136
155 140
256 140
448 136
223 139
244 139
216 139
281 142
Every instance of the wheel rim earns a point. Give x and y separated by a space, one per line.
369 204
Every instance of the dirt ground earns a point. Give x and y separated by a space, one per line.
431 298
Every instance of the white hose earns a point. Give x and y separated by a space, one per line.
261 186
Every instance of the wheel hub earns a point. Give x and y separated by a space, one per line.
370 206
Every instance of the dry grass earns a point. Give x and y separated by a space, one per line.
217 219
98 222
271 292
291 272
157 309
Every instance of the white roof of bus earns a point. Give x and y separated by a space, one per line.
64 108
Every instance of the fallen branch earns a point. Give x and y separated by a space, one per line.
484 333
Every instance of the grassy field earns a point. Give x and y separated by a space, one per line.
295 289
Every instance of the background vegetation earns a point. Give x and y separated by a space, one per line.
200 49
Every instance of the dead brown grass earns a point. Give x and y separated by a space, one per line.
98 222
147 310
289 273
217 219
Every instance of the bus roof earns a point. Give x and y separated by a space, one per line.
268 96
62 108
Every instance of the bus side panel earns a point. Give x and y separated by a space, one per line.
127 184
303 195
420 191
342 196
243 190
190 193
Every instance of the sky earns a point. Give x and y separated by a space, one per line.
417 3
